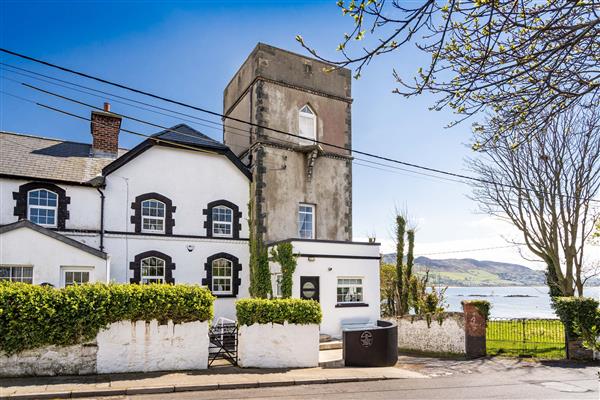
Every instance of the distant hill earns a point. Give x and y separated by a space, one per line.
470 272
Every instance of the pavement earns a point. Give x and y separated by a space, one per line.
219 378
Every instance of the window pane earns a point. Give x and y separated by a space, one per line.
305 222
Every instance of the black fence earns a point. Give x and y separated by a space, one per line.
526 337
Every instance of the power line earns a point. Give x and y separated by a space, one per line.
157 140
179 103
469 250
245 135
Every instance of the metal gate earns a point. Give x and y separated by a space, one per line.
223 337
526 337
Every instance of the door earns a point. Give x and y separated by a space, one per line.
309 287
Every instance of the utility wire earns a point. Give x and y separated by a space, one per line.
469 250
247 135
157 140
182 104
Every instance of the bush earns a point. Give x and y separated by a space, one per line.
277 311
581 318
34 316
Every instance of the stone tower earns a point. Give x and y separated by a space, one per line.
300 189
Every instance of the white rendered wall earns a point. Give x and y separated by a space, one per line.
24 246
191 180
79 359
367 269
189 265
278 346
449 337
147 346
84 208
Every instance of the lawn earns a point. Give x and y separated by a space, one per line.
540 338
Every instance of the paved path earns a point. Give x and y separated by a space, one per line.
212 379
494 378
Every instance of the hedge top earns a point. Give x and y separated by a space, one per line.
278 311
33 316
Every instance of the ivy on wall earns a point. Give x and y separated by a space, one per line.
278 311
283 254
260 274
35 316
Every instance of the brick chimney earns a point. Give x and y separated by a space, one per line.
105 128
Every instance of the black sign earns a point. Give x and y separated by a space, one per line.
309 287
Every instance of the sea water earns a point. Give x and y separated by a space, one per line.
510 302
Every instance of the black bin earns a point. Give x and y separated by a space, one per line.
375 346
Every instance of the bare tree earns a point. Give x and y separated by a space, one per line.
546 189
519 58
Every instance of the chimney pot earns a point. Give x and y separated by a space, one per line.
107 106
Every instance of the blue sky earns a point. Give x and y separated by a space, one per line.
190 50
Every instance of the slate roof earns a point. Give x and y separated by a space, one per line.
187 135
34 157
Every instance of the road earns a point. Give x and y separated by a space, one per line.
481 379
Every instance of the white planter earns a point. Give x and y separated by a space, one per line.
278 346
147 346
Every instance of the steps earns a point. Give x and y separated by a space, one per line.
331 358
330 345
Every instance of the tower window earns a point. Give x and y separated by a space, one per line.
307 123
306 221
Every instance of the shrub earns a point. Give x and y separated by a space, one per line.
283 254
581 318
277 311
34 316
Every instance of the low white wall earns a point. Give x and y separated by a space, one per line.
278 346
123 347
449 337
147 346
50 360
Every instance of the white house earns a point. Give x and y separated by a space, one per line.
175 207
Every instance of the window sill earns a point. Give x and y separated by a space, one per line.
224 295
344 305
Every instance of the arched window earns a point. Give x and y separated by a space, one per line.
152 270
222 221
307 124
42 206
222 274
153 216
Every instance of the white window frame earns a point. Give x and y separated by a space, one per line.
145 277
55 208
350 285
65 269
11 277
152 217
229 223
307 140
225 277
312 213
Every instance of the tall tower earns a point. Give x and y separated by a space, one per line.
300 189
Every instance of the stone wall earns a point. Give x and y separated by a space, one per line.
51 360
278 346
123 347
414 334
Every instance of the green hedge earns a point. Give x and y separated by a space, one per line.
34 316
277 311
577 314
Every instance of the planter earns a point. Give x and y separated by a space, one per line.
375 346
278 346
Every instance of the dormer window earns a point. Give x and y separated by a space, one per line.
153 216
222 221
42 206
307 124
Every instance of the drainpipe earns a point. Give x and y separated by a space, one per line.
101 218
